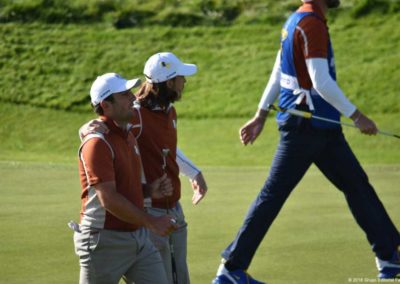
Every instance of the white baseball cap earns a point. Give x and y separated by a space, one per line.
163 66
108 84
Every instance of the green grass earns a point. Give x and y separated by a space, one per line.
314 240
46 72
36 134
53 66
128 13
37 201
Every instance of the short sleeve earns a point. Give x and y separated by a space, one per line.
97 160
313 37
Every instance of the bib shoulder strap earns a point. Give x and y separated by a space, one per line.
95 135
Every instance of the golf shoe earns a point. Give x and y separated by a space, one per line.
234 277
389 268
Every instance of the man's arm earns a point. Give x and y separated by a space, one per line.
249 132
189 169
124 210
312 37
186 166
328 89
271 91
97 160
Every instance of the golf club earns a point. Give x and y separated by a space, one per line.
309 115
165 153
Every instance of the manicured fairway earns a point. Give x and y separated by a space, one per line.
314 240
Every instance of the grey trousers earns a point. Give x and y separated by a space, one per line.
106 256
179 241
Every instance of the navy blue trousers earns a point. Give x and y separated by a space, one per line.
299 147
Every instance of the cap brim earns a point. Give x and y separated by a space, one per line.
132 83
187 70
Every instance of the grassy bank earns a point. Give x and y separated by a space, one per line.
47 71
137 13
52 66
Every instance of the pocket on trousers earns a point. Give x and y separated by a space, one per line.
86 242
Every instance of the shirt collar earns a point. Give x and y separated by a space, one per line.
312 7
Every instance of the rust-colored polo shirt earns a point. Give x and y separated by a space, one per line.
116 158
310 41
159 132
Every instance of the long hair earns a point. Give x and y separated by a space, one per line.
151 95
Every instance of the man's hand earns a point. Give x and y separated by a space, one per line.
160 188
199 187
162 225
250 131
93 126
366 125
